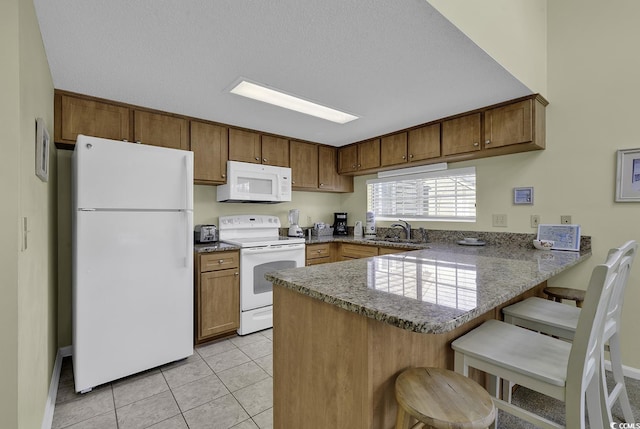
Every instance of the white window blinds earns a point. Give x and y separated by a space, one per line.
448 195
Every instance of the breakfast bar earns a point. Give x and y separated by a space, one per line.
344 331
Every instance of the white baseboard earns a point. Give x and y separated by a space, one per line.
47 419
628 371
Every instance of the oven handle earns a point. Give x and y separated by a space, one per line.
273 248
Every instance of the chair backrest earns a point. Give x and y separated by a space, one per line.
586 350
629 250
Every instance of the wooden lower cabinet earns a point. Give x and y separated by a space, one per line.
217 295
391 250
319 253
357 251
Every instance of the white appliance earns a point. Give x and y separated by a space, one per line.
370 226
247 182
132 259
262 250
294 228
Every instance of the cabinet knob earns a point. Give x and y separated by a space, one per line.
476 144
236 274
321 185
224 175
411 156
257 159
487 142
293 182
264 159
138 142
404 157
220 261
359 165
353 166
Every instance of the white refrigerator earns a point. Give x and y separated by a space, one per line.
132 258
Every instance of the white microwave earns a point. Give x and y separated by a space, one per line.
258 183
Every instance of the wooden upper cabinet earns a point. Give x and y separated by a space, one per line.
304 165
360 156
393 149
161 130
244 146
369 154
75 116
461 135
328 177
507 125
424 143
275 151
210 146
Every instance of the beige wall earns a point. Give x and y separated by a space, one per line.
29 285
9 212
513 32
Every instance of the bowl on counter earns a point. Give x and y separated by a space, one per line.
543 244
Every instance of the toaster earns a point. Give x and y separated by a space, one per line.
205 234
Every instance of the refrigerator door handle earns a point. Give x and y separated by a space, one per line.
188 183
189 236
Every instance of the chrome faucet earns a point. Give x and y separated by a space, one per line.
406 227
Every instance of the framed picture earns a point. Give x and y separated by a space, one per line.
628 176
42 150
565 237
523 196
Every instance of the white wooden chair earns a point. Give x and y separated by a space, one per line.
570 372
561 320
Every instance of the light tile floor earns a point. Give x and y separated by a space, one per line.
225 384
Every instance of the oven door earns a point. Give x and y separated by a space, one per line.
255 262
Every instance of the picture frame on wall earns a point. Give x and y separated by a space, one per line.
42 150
628 176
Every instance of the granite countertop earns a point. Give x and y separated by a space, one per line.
432 290
217 246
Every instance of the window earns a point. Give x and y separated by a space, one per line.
448 195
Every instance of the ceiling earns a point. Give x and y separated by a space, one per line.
393 63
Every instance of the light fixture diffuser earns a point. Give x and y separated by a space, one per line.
278 98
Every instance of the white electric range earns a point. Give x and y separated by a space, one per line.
262 250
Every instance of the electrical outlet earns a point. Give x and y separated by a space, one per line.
535 221
565 219
500 220
308 220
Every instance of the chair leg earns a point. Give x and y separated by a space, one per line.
619 390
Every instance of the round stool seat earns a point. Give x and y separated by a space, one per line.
560 293
442 399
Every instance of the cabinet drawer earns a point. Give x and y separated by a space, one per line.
318 261
219 261
358 251
318 251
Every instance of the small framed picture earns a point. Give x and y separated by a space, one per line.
628 176
523 196
42 150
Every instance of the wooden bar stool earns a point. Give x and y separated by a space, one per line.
442 399
560 293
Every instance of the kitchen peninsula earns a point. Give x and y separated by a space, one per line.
344 331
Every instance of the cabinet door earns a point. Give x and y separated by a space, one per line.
219 301
508 125
369 154
424 143
348 159
210 146
355 251
91 118
393 149
244 146
275 151
161 130
461 135
304 165
328 177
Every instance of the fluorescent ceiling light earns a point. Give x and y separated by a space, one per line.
278 98
413 170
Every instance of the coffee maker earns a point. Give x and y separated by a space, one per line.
294 228
340 224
